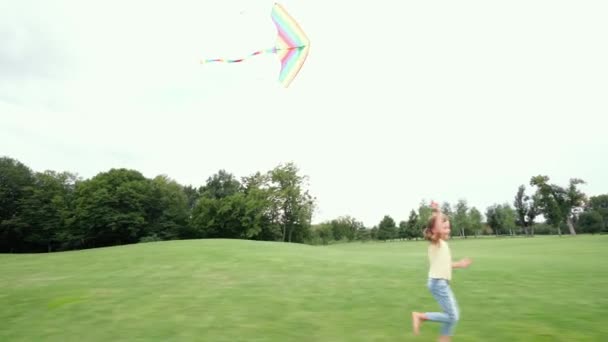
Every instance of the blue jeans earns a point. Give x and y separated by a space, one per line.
440 288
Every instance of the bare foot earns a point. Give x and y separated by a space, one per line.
416 319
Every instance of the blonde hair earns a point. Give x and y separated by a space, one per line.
429 233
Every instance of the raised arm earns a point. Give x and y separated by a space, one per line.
435 207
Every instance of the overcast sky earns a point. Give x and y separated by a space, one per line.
398 101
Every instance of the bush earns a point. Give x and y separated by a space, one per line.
544 229
591 222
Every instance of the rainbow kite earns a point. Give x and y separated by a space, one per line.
291 47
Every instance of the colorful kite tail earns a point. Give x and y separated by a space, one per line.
238 60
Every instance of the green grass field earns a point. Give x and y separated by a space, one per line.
540 289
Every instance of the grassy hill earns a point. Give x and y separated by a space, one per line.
540 289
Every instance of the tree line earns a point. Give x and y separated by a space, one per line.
54 211
563 209
50 211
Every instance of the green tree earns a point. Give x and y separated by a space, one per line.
294 204
526 209
321 234
363 234
192 195
533 212
492 218
461 218
206 220
387 229
219 210
225 218
446 209
261 221
220 185
599 204
228 208
475 221
345 228
112 208
521 208
501 218
171 216
46 210
402 232
15 180
412 226
509 218
591 222
559 203
373 233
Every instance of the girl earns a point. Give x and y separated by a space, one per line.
440 275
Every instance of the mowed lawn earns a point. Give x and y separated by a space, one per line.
538 289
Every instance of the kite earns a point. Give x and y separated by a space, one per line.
291 47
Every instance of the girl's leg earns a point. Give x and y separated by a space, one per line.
449 317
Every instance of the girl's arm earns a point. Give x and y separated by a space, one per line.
435 207
464 263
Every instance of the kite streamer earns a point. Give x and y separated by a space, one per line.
291 47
